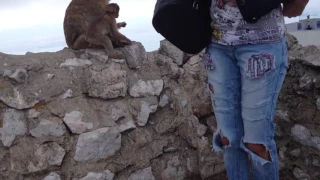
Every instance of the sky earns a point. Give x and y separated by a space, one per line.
36 25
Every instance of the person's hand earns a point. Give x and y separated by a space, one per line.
294 8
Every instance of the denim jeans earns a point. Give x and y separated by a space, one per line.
244 82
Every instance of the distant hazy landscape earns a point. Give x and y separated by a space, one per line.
50 37
37 25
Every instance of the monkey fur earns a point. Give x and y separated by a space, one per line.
104 31
81 14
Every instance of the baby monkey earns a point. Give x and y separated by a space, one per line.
104 31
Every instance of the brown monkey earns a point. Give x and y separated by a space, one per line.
78 16
104 31
115 43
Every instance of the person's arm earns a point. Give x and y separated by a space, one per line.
294 8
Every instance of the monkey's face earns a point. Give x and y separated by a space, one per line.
115 10
116 14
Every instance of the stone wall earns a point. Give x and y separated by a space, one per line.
298 113
81 115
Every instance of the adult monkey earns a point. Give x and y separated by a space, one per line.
79 15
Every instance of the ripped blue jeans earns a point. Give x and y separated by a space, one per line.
244 83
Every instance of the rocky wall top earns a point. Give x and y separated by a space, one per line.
79 115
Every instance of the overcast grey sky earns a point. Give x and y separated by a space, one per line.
20 16
24 13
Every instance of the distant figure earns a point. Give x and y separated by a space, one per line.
309 27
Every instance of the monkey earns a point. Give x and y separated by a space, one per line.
104 30
78 16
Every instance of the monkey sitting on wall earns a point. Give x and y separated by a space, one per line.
79 15
104 31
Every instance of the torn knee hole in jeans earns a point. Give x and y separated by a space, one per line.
259 64
259 150
224 140
221 142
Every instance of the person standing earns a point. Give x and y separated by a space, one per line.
246 65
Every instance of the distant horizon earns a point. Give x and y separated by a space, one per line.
27 31
50 38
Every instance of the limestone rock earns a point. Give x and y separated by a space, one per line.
52 176
98 54
209 163
310 55
164 100
183 103
99 144
15 98
52 127
193 65
316 161
82 113
13 125
300 175
174 170
295 152
168 49
76 63
318 103
145 111
201 129
35 158
143 174
19 76
282 152
126 124
168 67
75 122
283 115
108 83
117 113
107 175
134 54
50 154
305 82
146 88
67 94
50 76
32 113
315 142
120 61
291 40
191 130
302 135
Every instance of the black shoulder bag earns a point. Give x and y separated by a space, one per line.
184 23
253 10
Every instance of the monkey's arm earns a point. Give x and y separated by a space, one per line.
116 35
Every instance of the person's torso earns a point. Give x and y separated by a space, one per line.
229 27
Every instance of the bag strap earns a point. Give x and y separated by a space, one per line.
195 4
